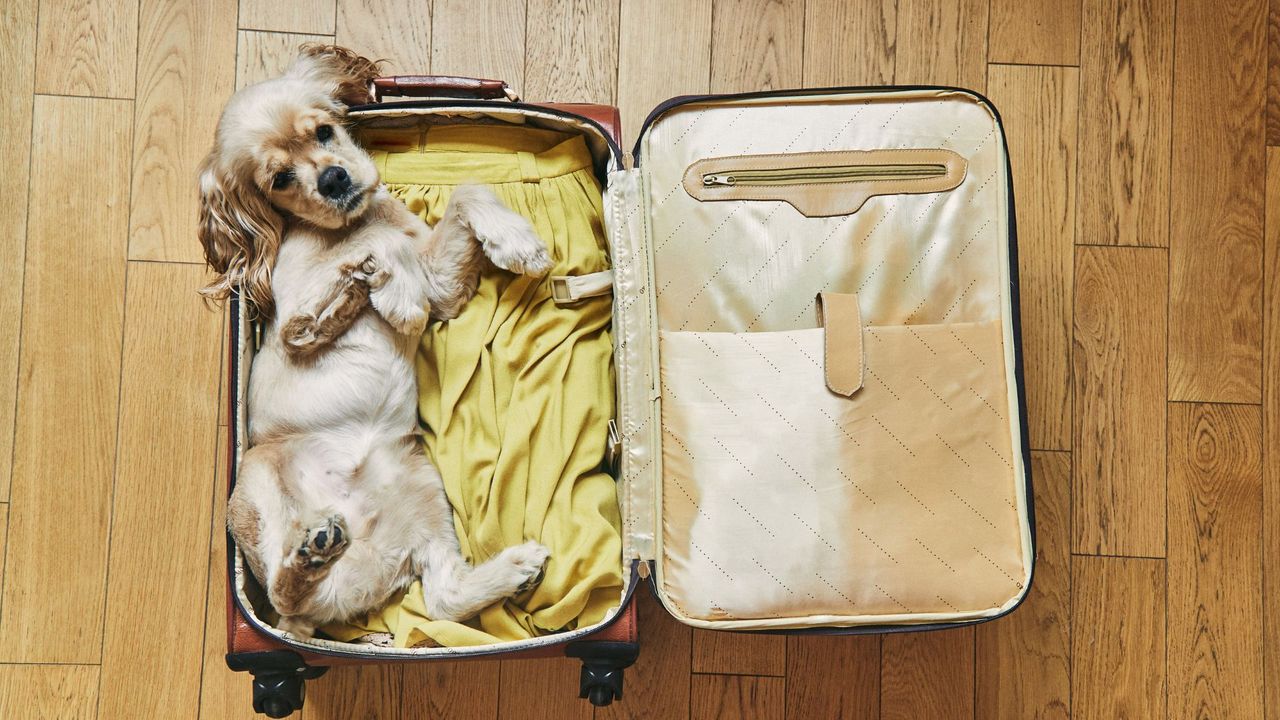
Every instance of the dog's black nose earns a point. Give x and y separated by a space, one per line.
334 182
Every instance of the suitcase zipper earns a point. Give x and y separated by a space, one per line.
830 174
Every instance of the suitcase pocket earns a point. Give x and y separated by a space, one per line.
823 184
781 498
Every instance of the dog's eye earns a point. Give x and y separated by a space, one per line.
324 133
282 180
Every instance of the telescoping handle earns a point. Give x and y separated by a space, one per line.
441 86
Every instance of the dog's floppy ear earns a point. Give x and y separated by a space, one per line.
241 233
348 75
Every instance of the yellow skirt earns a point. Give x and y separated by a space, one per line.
516 393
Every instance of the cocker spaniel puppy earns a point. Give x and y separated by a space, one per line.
336 507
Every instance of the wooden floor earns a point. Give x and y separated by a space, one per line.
1150 265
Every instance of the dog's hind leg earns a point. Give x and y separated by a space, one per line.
454 590
288 546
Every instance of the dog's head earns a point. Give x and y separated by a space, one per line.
281 151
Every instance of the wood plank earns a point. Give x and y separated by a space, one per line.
927 675
1118 362
48 692
464 40
311 17
186 71
17 56
1215 562
942 42
1039 32
1126 85
1024 660
757 45
458 691
87 48
849 43
541 689
397 31
571 51
168 427
657 686
65 445
836 676
735 697
224 695
1215 244
355 692
1039 109
739 653
265 55
1271 430
1118 638
4 534
672 57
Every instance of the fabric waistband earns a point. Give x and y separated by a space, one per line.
431 166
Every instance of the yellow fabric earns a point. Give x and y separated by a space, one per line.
516 393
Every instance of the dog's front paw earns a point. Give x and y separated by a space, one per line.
370 272
527 562
510 242
324 543
412 323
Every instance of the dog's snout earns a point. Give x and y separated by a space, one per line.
334 182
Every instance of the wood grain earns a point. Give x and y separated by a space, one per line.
1215 244
397 31
927 675
739 653
835 676
168 427
459 691
757 45
657 686
1039 32
541 689
672 57
1126 85
942 42
355 692
17 53
224 695
737 697
1039 110
1024 659
479 38
1118 638
1273 74
264 55
48 692
1215 561
1118 362
571 52
849 43
1271 437
4 534
186 71
315 17
65 445
87 47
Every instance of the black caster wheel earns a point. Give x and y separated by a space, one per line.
600 695
602 666
278 695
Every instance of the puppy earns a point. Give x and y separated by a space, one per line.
336 507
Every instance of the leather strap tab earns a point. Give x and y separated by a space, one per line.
841 342
571 288
441 86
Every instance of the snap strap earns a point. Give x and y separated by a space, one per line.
841 321
571 288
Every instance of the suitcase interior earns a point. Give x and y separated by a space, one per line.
927 519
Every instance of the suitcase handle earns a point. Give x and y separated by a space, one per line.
441 86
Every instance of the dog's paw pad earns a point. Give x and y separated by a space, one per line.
528 562
324 542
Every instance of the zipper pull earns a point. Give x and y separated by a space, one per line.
718 180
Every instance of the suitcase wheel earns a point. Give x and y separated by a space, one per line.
602 666
279 680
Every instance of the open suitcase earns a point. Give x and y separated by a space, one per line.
820 419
